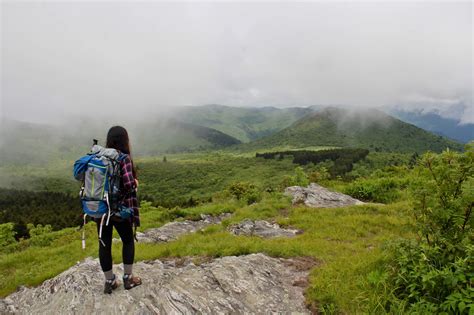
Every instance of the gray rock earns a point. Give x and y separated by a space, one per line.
319 197
261 228
252 284
171 231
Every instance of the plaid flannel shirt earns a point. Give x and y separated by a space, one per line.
129 188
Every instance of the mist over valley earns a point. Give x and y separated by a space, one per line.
286 157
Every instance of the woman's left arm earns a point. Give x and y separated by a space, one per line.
127 175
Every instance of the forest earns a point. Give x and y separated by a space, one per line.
21 207
187 180
343 159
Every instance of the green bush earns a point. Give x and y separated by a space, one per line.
384 190
318 175
435 273
40 235
298 179
244 191
429 285
7 234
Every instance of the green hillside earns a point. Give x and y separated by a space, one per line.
24 142
243 123
30 143
371 129
172 136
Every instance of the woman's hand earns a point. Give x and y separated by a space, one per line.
136 183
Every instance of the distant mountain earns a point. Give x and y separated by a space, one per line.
24 142
435 123
172 136
216 126
243 123
371 129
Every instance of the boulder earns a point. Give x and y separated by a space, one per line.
251 284
172 230
261 228
319 197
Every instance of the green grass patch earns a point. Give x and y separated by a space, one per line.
346 241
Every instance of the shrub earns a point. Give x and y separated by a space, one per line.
384 190
40 235
429 285
318 175
244 191
298 179
435 273
7 234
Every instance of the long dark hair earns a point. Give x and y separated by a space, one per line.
117 138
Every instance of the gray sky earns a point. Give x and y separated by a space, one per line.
83 57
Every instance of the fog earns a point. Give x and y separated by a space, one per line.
134 59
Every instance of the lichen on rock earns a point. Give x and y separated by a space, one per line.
261 228
172 230
251 284
317 196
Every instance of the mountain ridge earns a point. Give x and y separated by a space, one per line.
26 142
434 122
365 128
243 123
262 128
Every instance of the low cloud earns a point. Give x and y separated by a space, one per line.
136 58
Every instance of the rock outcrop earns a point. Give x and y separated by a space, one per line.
319 197
171 231
261 228
254 283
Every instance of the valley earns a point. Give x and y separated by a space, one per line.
236 173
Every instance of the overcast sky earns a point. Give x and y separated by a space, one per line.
87 57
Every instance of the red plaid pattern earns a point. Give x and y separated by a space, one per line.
129 188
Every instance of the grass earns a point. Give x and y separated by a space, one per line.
197 175
346 241
179 179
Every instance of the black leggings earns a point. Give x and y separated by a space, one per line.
125 230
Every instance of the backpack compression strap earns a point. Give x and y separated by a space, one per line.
135 232
100 229
84 231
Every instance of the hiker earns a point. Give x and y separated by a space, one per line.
109 196
117 138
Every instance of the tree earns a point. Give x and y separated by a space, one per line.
7 234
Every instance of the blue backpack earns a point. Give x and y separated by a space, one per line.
101 178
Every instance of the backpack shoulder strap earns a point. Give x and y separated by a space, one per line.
122 157
80 166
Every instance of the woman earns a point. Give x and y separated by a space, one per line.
117 138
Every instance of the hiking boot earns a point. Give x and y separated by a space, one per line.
111 285
129 281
